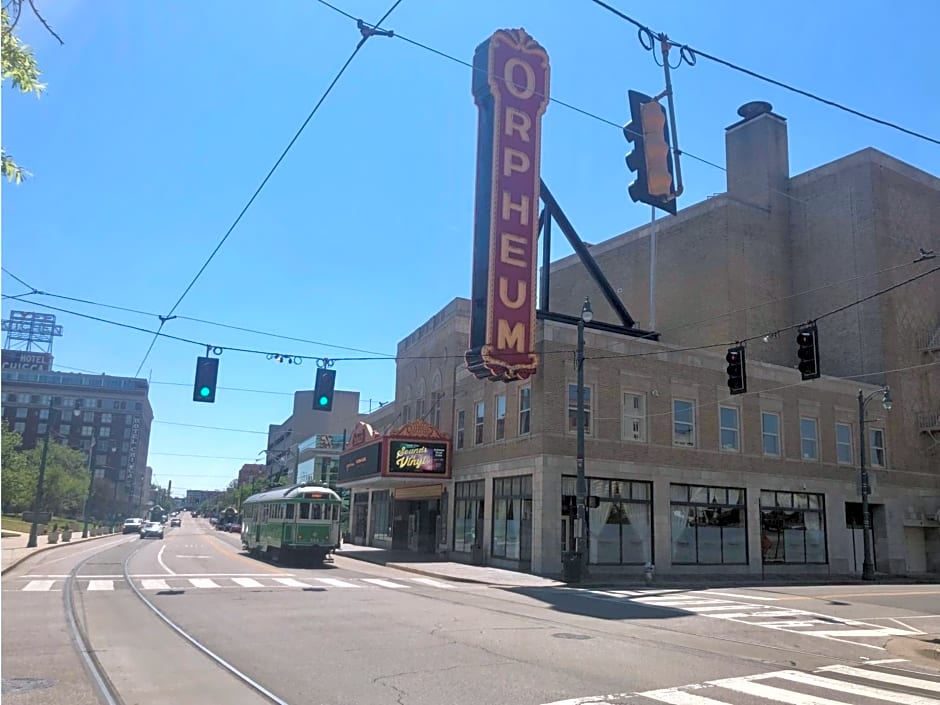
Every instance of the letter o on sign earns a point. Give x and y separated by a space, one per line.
527 88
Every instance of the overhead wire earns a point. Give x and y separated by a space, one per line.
257 192
644 29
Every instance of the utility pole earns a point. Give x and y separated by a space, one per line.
91 487
40 482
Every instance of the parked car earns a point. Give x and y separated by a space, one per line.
132 526
151 530
176 521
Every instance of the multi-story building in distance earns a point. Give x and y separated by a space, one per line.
108 417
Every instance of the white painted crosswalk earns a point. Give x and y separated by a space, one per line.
765 614
216 582
830 685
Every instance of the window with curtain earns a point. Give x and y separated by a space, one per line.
709 525
793 527
621 531
512 517
468 514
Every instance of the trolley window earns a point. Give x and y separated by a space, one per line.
290 511
316 510
305 510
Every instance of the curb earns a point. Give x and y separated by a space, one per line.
40 549
405 567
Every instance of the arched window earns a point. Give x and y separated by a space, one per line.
437 398
420 400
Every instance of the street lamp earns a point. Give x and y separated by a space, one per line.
587 315
868 567
41 480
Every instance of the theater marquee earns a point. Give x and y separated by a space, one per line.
510 88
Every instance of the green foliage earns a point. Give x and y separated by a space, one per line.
20 69
17 479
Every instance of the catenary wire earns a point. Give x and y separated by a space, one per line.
754 74
257 192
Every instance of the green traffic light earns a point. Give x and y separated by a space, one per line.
323 401
204 391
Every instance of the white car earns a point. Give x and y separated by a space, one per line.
151 530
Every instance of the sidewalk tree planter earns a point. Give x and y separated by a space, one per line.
53 536
67 533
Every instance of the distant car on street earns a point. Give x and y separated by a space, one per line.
132 526
152 530
176 521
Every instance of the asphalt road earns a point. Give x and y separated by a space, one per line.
354 633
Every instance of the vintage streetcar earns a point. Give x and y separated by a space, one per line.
299 523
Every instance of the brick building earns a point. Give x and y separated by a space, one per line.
109 417
685 475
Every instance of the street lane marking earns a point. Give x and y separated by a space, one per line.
151 584
880 661
863 691
291 582
247 582
160 560
433 583
335 582
383 583
24 577
38 585
739 596
100 584
202 575
884 631
769 692
839 596
879 676
203 583
672 696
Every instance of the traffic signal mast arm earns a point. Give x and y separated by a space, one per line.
666 45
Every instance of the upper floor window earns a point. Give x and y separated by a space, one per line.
22 412
500 417
683 423
729 427
634 417
809 439
437 399
525 409
478 422
877 446
573 408
770 430
844 444
461 422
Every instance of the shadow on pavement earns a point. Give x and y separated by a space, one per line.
599 605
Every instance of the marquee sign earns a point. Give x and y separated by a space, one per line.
510 88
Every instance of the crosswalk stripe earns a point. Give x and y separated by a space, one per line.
863 691
674 696
38 585
769 692
881 677
247 582
291 582
203 583
100 584
383 583
154 584
433 583
335 582
884 631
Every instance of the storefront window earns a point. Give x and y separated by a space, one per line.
381 516
621 525
468 515
512 517
709 525
793 527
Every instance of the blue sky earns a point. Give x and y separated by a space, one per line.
160 120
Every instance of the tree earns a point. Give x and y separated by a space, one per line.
66 481
19 67
17 479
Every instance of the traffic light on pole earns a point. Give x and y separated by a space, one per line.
808 341
651 157
323 389
207 371
737 370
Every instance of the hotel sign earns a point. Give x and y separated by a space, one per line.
25 360
510 88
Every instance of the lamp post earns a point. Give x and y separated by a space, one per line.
587 315
868 567
91 486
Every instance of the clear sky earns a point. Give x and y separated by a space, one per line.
161 119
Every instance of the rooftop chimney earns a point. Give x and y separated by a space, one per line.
756 155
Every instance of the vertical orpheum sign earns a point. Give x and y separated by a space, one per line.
510 88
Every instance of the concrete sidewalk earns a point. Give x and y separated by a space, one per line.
14 550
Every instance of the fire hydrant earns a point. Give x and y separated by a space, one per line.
648 573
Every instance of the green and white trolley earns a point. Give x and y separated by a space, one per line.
299 523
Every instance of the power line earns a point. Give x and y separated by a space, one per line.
359 45
646 32
211 428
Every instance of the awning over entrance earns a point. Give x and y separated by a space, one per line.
416 453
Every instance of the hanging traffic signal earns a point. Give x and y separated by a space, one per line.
323 389
737 370
651 157
808 341
207 371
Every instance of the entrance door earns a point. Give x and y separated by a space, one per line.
915 549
